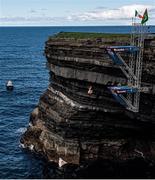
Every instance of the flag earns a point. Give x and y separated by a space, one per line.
145 17
138 15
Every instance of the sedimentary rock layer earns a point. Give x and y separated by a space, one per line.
69 123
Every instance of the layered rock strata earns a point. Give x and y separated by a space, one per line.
69 123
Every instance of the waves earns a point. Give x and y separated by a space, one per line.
21 130
21 61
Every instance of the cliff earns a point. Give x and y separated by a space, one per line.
69 123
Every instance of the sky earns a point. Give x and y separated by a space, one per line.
73 12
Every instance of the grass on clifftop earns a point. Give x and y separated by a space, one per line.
85 35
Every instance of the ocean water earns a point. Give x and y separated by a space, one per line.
22 61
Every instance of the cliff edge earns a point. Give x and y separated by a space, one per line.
71 124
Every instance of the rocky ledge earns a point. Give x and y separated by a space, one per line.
71 125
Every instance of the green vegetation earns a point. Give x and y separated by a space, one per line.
83 35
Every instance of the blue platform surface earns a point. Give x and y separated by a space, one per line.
118 90
123 48
122 89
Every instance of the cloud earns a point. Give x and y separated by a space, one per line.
38 20
33 11
101 7
122 13
98 16
38 11
43 9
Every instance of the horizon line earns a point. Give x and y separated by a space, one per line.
64 25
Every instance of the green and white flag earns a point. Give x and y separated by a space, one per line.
145 17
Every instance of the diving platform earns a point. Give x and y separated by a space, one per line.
116 58
130 49
122 89
129 95
119 91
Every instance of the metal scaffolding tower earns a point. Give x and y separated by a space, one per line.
129 95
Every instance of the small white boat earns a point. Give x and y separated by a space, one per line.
9 85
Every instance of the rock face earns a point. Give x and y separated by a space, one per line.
69 123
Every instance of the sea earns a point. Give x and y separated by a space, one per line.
22 61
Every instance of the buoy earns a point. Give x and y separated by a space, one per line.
9 85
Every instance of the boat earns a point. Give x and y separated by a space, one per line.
9 85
